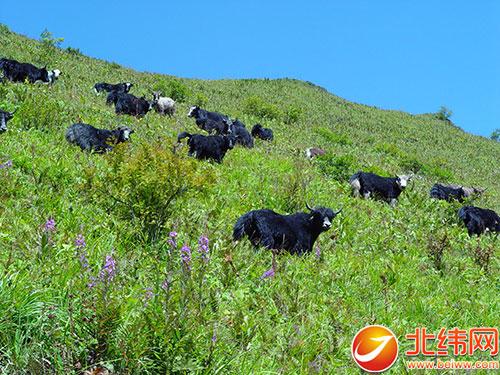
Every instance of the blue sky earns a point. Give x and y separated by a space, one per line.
412 56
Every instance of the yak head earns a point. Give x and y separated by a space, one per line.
193 111
53 75
321 217
156 96
402 181
123 133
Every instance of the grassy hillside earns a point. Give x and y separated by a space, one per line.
126 300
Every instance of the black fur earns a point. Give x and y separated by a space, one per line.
447 193
239 130
212 147
295 233
265 134
478 220
109 87
370 184
16 71
129 104
90 138
4 118
210 121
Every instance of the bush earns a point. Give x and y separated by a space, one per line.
200 100
48 39
496 135
293 114
339 168
144 184
256 106
174 89
74 51
333 137
40 110
444 114
390 149
411 164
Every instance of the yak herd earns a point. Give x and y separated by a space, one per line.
294 233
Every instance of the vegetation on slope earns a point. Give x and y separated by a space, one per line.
91 273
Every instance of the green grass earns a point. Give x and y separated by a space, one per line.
377 265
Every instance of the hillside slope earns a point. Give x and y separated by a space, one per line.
126 299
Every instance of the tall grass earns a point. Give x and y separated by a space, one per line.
130 300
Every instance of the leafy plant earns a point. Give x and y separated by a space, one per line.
256 106
339 168
48 40
144 184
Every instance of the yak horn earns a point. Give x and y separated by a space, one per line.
309 207
339 211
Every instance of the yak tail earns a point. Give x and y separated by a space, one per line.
239 227
183 135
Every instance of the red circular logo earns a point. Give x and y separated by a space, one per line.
375 348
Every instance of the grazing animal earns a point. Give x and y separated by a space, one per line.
209 121
386 188
479 220
4 117
16 71
109 87
313 152
263 133
163 105
90 138
453 192
239 130
212 147
129 104
213 126
295 233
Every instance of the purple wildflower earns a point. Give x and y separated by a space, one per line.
50 225
172 241
214 337
318 252
80 241
269 273
148 295
92 283
7 164
186 256
203 248
83 259
165 285
108 272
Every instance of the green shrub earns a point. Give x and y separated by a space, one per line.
48 39
143 185
200 100
496 135
293 114
339 168
443 174
333 137
411 164
444 114
390 149
174 89
74 51
40 110
256 106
